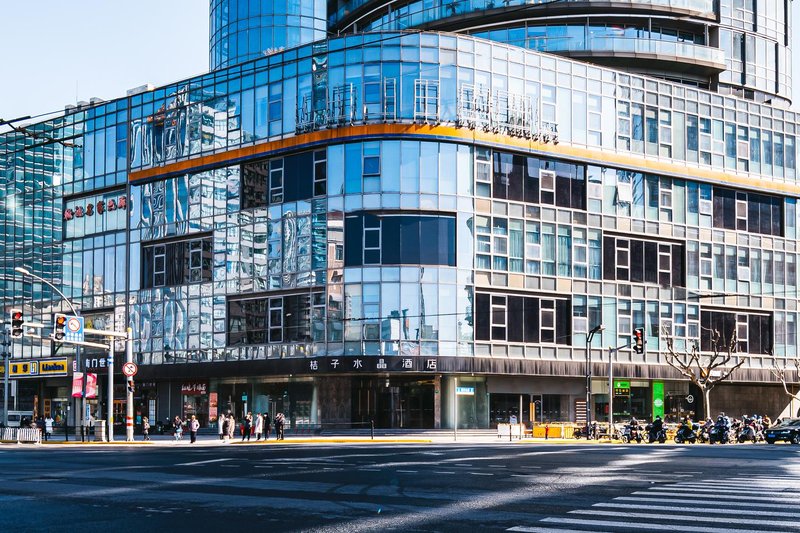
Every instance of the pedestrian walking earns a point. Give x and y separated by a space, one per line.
259 426
48 427
178 423
221 426
146 428
280 421
231 425
267 426
246 424
194 425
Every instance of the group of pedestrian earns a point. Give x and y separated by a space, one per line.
192 424
260 426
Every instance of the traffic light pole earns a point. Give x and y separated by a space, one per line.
129 402
6 356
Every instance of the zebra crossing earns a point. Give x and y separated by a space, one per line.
735 504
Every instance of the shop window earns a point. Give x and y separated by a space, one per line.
176 262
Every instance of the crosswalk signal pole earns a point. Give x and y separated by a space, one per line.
110 389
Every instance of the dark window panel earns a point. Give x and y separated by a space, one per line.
353 247
531 187
390 237
637 261
650 262
609 258
564 322
531 320
678 266
409 241
482 317
254 184
516 319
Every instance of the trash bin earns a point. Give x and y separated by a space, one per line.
100 430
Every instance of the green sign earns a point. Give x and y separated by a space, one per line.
658 399
622 384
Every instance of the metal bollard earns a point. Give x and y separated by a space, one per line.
372 429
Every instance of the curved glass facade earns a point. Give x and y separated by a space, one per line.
241 30
360 220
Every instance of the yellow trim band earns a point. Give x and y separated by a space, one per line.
441 132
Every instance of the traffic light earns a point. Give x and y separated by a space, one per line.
638 340
17 322
60 327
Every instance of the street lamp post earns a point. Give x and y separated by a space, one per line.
78 408
598 328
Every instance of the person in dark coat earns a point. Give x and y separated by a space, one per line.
280 421
246 423
267 426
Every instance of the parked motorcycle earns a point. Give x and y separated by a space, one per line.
719 433
654 434
687 434
631 433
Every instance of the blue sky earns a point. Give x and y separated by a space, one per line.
57 52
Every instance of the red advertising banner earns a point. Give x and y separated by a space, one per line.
91 385
77 384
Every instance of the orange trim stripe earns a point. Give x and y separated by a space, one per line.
343 134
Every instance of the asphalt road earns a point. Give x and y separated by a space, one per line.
401 487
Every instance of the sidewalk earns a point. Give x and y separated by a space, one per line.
207 439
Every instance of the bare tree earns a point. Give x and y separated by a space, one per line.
705 369
783 373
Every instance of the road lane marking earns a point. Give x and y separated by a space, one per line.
685 493
206 462
634 525
440 472
406 471
692 519
690 509
481 474
690 500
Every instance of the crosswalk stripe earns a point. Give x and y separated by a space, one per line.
785 497
700 502
691 519
526 529
743 490
691 509
634 525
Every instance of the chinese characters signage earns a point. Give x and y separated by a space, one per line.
100 207
370 364
194 389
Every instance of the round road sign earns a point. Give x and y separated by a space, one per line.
690 399
73 324
130 369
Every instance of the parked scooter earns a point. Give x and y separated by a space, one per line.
656 432
687 433
719 431
632 432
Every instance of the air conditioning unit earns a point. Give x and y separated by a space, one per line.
547 179
624 193
743 150
743 273
706 207
534 251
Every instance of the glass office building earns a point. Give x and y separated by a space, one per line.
349 229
